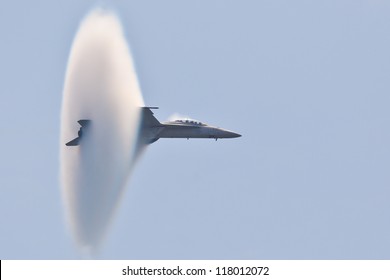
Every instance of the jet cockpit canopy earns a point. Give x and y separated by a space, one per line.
189 121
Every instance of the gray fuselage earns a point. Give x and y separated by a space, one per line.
191 129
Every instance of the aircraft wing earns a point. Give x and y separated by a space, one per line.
148 120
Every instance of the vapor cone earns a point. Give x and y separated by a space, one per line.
100 86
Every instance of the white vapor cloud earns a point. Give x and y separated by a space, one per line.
100 85
177 116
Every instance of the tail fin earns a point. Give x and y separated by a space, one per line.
148 120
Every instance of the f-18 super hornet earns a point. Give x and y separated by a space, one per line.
151 129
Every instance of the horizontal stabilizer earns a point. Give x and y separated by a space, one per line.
74 142
84 123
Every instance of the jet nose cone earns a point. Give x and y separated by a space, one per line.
231 134
235 135
224 133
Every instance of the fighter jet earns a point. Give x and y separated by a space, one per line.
151 129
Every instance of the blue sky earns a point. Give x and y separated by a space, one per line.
305 83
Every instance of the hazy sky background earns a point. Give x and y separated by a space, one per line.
305 82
